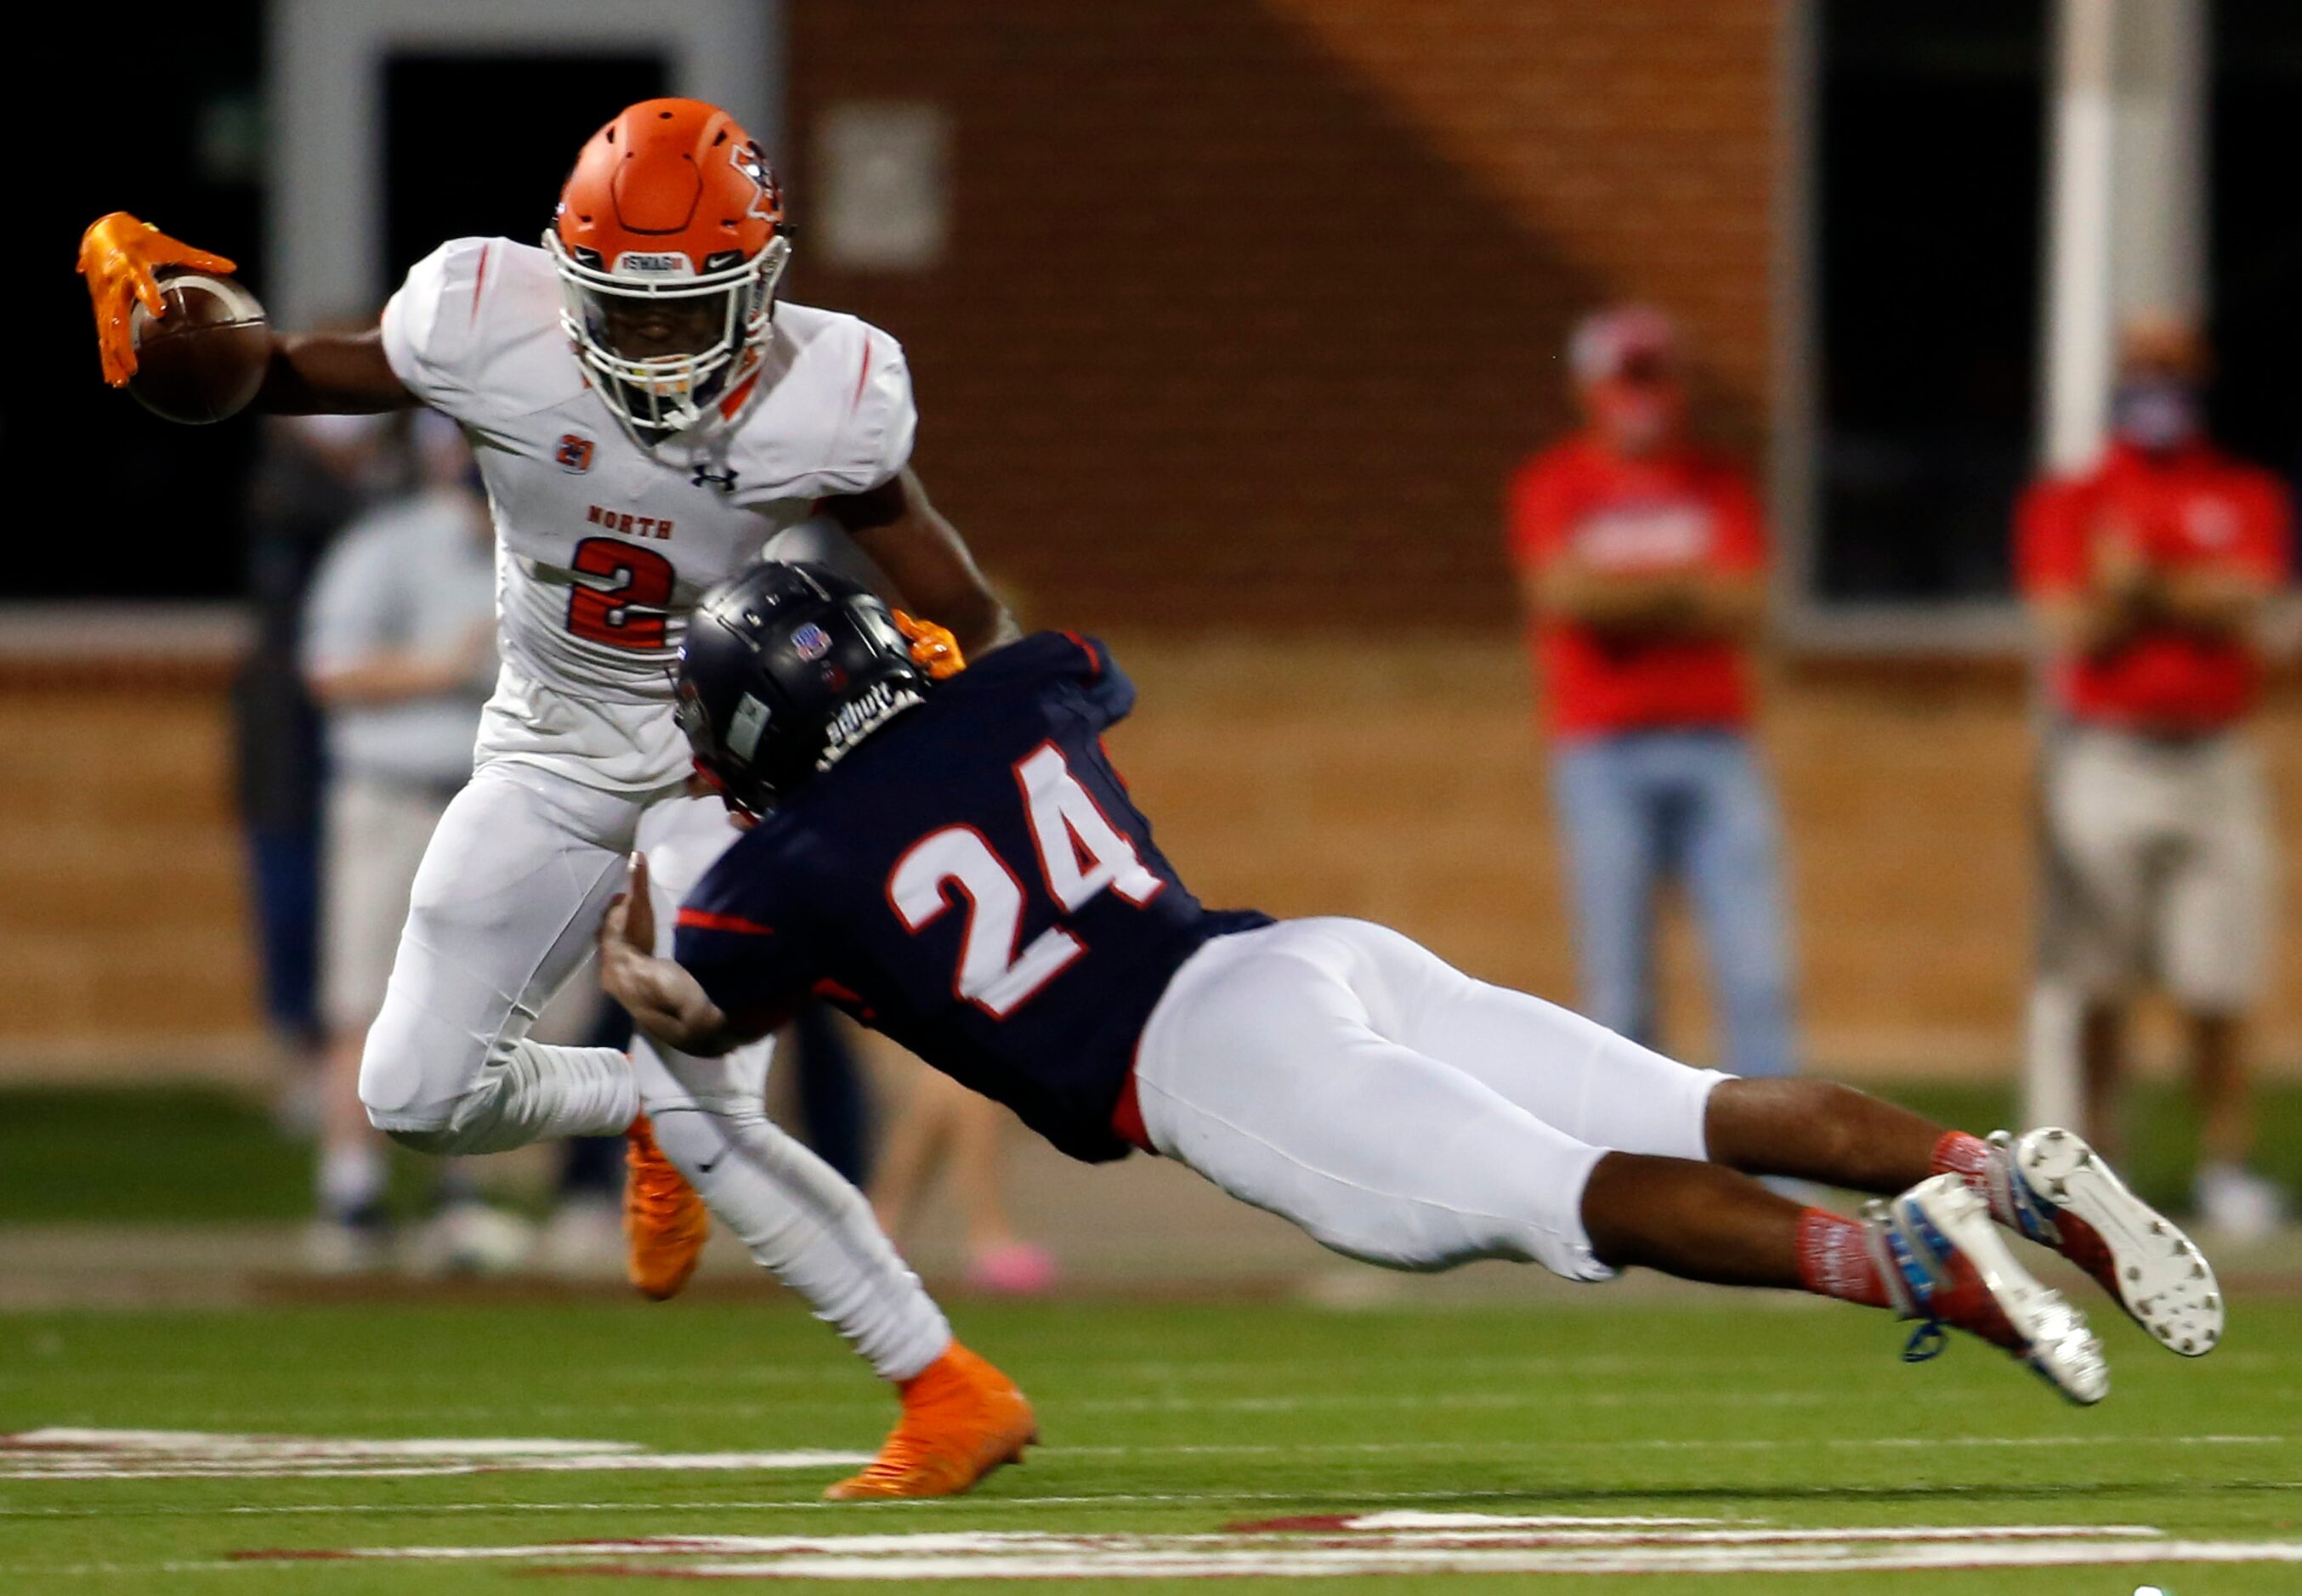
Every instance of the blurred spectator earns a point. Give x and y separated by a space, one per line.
313 476
399 650
945 1124
2148 577
1643 563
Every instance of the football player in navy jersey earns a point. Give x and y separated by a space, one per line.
948 855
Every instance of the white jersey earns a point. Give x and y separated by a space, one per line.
602 546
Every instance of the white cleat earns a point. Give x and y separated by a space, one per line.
2139 1256
1949 1266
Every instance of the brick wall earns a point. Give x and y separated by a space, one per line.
1303 775
124 926
1249 308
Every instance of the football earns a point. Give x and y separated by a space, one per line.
205 358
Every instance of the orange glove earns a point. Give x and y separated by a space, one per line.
934 649
117 255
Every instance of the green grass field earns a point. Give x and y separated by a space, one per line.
1767 1430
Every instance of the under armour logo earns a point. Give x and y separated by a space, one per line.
725 481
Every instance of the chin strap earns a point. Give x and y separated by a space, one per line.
934 649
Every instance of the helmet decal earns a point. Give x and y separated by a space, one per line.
744 727
863 715
751 161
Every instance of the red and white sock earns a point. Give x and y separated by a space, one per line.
1970 1158
1961 1154
1835 1260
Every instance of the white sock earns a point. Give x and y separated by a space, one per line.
349 1177
808 1227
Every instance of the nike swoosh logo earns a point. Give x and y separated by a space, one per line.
705 1169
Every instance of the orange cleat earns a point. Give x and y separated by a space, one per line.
962 1419
665 1223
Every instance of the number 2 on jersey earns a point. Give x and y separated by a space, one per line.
629 615
1080 853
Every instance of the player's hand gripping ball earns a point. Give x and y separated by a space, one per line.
203 357
188 342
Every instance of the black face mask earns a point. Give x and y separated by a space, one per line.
2154 414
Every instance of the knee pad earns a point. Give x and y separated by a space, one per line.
390 1075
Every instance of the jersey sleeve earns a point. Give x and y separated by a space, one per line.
874 440
1109 693
1538 511
2050 552
743 938
1741 549
432 324
2266 539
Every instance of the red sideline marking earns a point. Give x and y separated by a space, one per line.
615 1570
706 921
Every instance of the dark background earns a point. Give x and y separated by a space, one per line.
1927 252
164 120
497 165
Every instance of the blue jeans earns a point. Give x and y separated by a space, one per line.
1641 809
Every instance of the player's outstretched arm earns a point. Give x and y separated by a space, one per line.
926 559
311 373
331 373
665 1000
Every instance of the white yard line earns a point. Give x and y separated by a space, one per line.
953 1542
66 1453
81 1454
1313 1563
1404 1544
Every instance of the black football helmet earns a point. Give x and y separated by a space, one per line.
784 669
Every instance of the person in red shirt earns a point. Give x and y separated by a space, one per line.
1643 560
2148 577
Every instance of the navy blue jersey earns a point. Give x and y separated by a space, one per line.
973 881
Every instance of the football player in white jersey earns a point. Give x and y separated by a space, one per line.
646 416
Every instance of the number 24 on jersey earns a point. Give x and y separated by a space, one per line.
1080 853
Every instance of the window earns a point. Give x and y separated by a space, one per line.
1928 152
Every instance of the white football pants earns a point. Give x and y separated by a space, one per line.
1341 1076
504 910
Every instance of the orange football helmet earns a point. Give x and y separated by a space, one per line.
668 241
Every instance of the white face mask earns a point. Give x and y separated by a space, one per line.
656 396
2154 414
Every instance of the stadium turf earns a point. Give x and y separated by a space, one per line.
1643 1447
